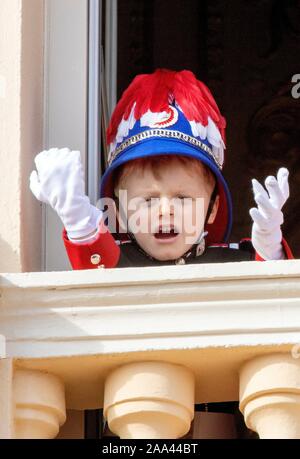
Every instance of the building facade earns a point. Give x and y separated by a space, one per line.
139 347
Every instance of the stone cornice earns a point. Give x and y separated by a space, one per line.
127 310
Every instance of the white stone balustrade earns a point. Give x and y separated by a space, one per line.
221 332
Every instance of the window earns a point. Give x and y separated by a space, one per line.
72 96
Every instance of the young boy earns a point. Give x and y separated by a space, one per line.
164 182
166 140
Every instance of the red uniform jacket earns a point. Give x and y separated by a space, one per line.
107 252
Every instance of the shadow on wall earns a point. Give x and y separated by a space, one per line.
9 258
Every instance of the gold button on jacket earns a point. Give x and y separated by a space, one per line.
95 259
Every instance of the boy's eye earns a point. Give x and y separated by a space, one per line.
154 200
182 197
151 201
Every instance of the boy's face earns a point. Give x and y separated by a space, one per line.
166 212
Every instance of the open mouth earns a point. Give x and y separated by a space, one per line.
165 233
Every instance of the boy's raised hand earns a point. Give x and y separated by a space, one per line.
268 217
59 181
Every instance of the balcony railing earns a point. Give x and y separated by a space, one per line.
147 344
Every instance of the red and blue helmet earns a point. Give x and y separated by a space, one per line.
170 113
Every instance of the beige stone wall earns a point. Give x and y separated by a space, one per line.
6 398
21 133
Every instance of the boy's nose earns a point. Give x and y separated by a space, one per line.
165 206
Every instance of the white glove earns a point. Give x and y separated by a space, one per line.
59 182
267 217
